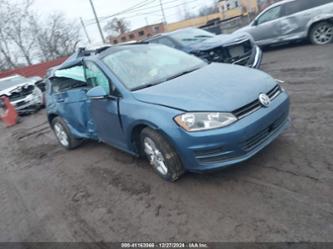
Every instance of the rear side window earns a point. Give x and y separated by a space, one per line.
302 5
70 78
62 84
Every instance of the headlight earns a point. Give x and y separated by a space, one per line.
199 121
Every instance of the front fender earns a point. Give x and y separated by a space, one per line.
158 117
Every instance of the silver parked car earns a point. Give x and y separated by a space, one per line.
23 93
291 20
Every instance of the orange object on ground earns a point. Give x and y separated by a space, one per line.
10 115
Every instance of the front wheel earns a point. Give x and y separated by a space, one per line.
321 33
161 155
63 134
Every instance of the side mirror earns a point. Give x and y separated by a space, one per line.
97 92
255 22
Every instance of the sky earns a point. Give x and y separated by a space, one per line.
149 13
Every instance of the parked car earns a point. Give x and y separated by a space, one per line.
234 49
22 92
292 20
180 112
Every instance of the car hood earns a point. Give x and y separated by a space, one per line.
16 88
215 87
219 40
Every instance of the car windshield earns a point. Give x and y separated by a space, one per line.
141 66
190 36
12 81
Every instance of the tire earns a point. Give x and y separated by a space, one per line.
64 136
172 168
321 33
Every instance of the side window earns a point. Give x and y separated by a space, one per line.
166 41
270 15
294 7
96 77
67 79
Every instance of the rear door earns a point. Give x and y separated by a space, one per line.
266 29
105 111
69 90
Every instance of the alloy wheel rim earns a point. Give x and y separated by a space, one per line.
155 156
323 34
61 134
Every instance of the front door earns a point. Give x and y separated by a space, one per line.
104 111
69 90
267 27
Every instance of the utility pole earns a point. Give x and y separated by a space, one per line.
97 21
163 13
85 30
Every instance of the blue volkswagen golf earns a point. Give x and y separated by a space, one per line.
171 107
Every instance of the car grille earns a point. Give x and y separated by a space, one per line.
234 54
255 105
21 94
261 136
21 103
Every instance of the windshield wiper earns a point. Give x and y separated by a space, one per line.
145 86
182 73
203 36
164 80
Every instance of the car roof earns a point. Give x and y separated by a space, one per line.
76 58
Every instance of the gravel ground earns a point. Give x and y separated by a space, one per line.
95 193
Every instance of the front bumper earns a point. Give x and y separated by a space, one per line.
28 104
256 58
216 149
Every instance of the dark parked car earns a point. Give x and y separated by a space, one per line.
234 49
291 20
180 112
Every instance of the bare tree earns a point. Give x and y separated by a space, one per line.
56 37
7 60
118 25
26 38
18 28
207 10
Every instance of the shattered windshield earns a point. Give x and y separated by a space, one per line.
190 36
11 82
143 66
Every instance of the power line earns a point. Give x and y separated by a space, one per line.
102 19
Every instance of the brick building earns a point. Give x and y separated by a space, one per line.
138 34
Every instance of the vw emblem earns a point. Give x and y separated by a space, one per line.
264 100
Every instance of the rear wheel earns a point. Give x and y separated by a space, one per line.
161 155
63 134
321 33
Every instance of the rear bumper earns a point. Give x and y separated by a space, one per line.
216 149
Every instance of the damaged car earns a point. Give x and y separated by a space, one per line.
173 108
24 95
293 20
237 49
